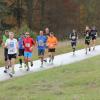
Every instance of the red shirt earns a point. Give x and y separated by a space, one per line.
28 43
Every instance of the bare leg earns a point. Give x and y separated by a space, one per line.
41 57
86 48
46 55
13 64
26 63
52 57
93 43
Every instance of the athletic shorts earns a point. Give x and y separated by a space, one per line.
87 42
11 56
21 52
41 52
6 54
94 38
73 44
28 54
51 50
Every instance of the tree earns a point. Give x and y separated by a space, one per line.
29 4
3 12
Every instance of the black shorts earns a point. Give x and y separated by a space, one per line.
6 54
10 56
87 42
94 38
73 44
41 52
21 52
51 50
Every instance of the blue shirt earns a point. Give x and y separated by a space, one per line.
41 41
20 43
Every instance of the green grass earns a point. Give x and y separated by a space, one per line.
77 81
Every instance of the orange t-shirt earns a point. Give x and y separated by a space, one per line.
52 42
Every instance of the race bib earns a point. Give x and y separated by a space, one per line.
11 47
73 37
12 50
27 45
41 43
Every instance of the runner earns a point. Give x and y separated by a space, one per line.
51 42
73 37
12 46
21 49
41 43
94 36
87 39
5 37
47 34
28 48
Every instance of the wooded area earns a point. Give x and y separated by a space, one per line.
61 16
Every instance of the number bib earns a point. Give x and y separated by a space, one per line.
11 47
27 45
73 37
41 43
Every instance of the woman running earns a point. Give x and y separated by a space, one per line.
51 42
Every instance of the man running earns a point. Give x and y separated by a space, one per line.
51 42
21 49
12 46
73 37
47 34
5 37
87 39
28 48
94 36
41 43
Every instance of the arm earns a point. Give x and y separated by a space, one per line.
2 42
96 34
70 36
3 45
33 44
36 41
16 44
56 41
47 42
6 44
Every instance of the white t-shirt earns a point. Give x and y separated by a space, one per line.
12 46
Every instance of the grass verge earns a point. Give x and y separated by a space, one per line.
77 81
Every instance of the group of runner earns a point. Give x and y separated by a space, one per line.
45 43
90 38
23 47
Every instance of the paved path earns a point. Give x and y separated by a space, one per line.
59 60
